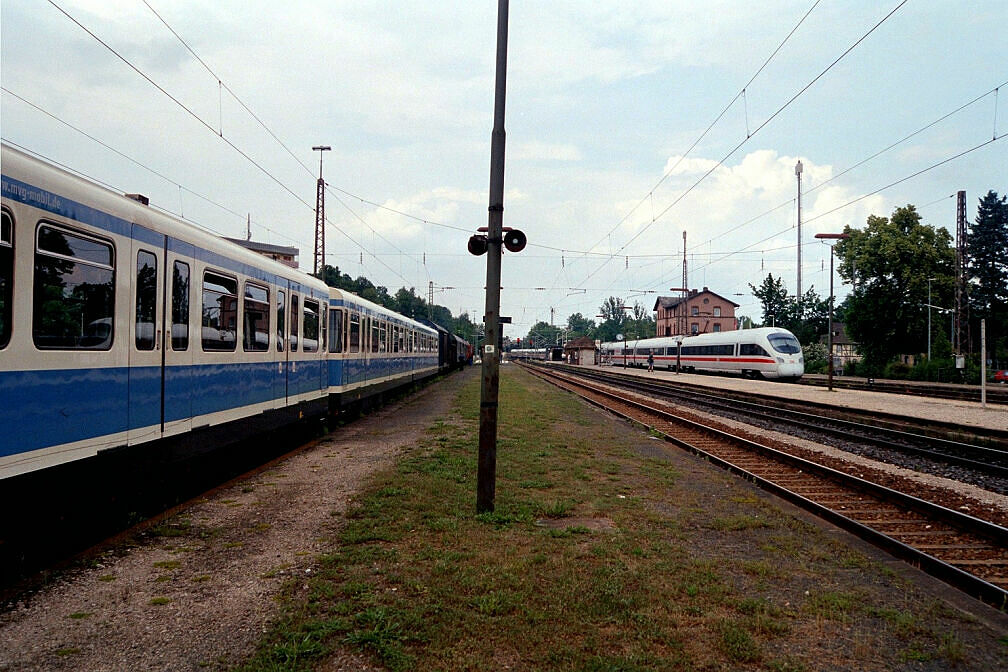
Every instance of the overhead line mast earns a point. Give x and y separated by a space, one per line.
320 216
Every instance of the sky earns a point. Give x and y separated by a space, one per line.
627 124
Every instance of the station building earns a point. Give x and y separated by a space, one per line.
699 312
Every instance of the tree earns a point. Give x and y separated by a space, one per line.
889 263
806 319
773 298
542 335
614 319
578 326
987 270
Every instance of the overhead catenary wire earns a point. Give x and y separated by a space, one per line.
209 127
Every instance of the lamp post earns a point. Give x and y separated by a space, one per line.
929 320
829 340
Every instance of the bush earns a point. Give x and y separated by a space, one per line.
897 371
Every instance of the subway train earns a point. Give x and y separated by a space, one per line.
767 352
122 327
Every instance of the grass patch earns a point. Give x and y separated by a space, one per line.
419 580
158 601
168 564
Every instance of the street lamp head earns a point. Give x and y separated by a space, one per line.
321 148
832 236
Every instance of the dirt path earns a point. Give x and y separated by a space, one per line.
199 592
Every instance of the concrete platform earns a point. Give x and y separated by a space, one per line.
966 413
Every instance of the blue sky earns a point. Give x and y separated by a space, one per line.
604 99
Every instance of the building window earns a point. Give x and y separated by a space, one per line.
695 311
694 328
717 326
717 311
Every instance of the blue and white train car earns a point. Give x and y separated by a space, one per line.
121 326
373 349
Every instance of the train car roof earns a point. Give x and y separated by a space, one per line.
700 339
115 211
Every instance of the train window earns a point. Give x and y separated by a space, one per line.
336 330
310 326
752 349
220 312
74 295
180 306
256 319
6 276
146 299
784 343
375 328
324 323
294 323
281 307
355 332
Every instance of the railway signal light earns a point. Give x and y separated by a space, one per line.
478 245
513 239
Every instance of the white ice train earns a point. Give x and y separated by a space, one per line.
768 352
121 327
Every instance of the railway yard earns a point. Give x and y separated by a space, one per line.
610 548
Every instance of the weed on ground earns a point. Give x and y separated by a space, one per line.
599 556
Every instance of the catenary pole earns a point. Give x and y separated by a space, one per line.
486 472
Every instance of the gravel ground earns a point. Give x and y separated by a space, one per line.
198 592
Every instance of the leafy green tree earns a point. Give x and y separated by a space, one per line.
578 326
614 319
541 335
987 266
889 263
773 298
806 319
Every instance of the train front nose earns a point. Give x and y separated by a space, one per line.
791 366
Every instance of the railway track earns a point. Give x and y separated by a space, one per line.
964 551
996 394
976 449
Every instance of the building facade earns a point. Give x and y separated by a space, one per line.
699 312
285 255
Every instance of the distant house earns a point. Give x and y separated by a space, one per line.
699 312
581 351
844 349
285 255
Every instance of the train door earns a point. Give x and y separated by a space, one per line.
179 339
280 389
323 349
146 270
